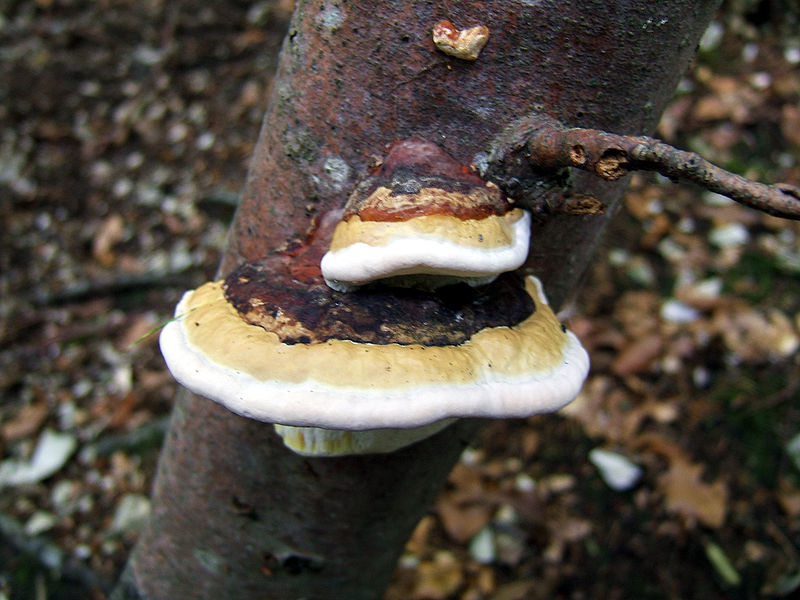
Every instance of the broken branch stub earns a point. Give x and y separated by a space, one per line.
549 145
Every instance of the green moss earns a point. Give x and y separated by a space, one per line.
752 425
758 277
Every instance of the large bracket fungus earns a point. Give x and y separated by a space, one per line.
378 367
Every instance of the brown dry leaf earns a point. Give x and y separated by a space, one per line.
688 495
639 201
136 335
25 423
462 520
729 100
661 411
516 590
111 231
790 123
606 410
638 313
789 498
637 356
662 445
123 409
419 539
465 509
438 578
753 336
563 531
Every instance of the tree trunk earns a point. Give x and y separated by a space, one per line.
235 514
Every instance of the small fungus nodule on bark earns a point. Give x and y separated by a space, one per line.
423 217
465 44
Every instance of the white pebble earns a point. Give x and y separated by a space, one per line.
482 547
676 311
729 235
617 471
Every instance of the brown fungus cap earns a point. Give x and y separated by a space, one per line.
284 360
421 213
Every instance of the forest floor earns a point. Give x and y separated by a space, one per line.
124 140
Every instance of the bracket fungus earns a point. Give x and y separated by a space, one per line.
378 367
424 219
404 361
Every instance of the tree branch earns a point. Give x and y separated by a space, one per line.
548 144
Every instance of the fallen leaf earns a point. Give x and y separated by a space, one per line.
111 232
637 356
419 539
464 510
788 498
462 520
790 123
606 410
753 336
516 590
25 423
563 531
438 578
142 331
689 496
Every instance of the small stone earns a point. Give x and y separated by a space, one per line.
177 133
122 187
51 453
701 377
792 55
131 514
712 37
761 80
793 450
39 522
524 483
482 546
617 471
750 52
205 141
676 311
147 56
729 235
63 496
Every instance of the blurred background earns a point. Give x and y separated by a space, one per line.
125 132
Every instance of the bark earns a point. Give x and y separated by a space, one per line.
235 515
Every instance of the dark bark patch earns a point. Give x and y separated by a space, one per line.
299 312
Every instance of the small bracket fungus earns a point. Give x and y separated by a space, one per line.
423 215
372 370
465 44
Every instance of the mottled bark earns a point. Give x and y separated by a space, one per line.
236 515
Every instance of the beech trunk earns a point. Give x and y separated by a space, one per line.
235 514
